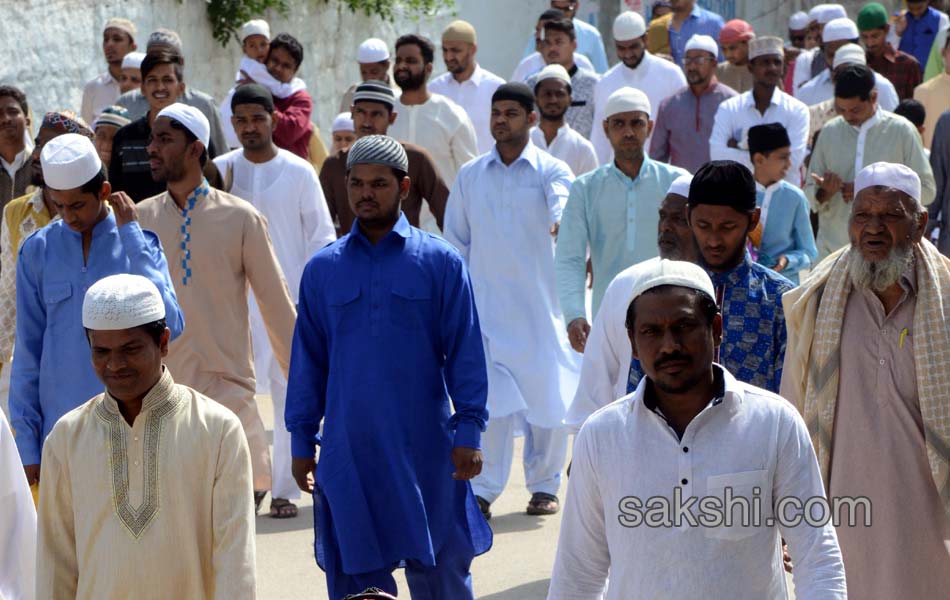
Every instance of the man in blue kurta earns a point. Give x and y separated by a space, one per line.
51 372
386 332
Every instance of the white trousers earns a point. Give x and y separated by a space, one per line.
545 452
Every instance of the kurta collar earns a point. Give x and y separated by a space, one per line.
627 181
768 188
101 228
160 395
730 393
874 120
401 229
529 153
736 277
749 98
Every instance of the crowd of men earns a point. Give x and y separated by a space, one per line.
729 249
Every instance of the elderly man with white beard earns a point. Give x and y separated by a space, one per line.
866 364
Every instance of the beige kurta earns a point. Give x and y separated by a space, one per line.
229 250
878 452
158 509
738 78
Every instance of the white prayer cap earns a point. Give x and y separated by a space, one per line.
373 50
192 118
892 175
798 21
825 13
626 99
703 42
255 27
766 46
553 71
343 122
849 54
814 11
629 26
680 186
840 29
133 60
677 273
121 301
69 161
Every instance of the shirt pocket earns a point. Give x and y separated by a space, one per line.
343 307
744 492
56 297
410 305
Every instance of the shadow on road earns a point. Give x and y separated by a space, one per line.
267 525
536 590
513 522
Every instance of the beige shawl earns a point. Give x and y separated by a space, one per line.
814 314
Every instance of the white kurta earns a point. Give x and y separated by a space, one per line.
500 217
569 146
821 88
657 78
287 192
534 62
99 93
474 96
17 523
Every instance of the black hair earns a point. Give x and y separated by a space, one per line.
854 81
163 56
707 306
563 25
95 184
425 46
551 14
189 138
155 329
290 44
8 91
570 89
912 110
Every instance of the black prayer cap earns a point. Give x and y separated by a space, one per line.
252 93
723 183
765 138
518 92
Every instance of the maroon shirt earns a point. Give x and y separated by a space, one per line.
292 126
899 68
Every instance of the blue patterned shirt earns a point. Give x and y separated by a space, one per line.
753 323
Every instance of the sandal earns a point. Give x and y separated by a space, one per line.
258 498
543 504
484 506
281 508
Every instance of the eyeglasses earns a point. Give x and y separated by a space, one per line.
697 60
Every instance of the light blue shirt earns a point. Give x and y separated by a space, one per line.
618 218
589 43
699 22
787 228
52 366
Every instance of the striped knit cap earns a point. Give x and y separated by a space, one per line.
375 91
378 150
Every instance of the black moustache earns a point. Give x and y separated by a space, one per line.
669 359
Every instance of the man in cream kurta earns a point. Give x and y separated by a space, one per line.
145 487
217 246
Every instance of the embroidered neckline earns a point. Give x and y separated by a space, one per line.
190 201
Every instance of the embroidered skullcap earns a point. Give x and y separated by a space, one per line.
872 16
122 25
164 37
192 118
252 93
703 42
114 116
378 150
121 301
769 45
375 91
829 12
553 71
680 186
67 121
798 21
343 122
629 26
849 54
133 60
723 183
517 92
677 273
626 99
765 138
69 161
892 175
373 50
255 27
460 31
840 29
736 31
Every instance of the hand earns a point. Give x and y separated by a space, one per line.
468 463
786 558
124 208
829 185
781 264
554 229
302 468
847 191
732 143
900 23
577 332
32 473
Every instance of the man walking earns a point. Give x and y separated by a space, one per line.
553 95
118 39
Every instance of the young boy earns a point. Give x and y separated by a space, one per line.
131 77
109 121
344 133
783 237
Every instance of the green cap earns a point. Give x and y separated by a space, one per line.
872 16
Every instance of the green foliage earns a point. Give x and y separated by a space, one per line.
227 16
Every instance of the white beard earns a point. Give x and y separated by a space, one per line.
881 275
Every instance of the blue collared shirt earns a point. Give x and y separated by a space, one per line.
385 334
700 21
52 366
787 228
617 218
589 43
753 325
919 36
